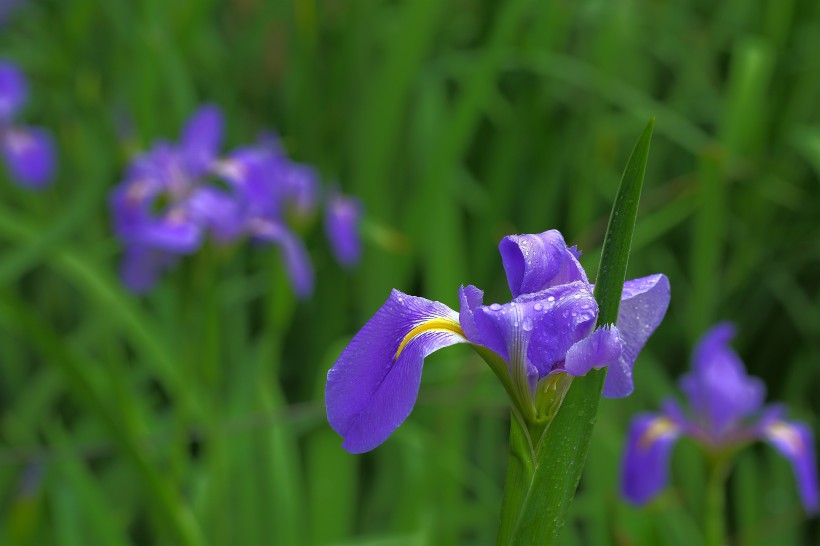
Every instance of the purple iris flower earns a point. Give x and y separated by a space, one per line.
267 186
28 151
727 413
545 334
342 217
164 207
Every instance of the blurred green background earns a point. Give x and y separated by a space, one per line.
195 415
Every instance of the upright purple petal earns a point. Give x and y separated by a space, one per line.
29 154
294 253
373 386
795 442
536 262
342 218
719 390
645 466
643 305
299 187
13 90
202 138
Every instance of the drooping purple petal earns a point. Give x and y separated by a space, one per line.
142 265
536 262
342 218
294 253
13 90
29 154
600 349
643 305
795 442
202 138
645 466
370 391
719 390
534 330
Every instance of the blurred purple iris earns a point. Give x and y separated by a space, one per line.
547 331
727 413
28 151
342 217
171 199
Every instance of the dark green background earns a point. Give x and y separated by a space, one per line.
195 415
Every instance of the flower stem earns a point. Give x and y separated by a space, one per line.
715 516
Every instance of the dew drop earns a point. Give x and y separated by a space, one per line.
551 298
495 307
538 306
527 324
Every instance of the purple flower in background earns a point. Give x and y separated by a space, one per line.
727 413
545 333
342 217
28 151
164 207
265 188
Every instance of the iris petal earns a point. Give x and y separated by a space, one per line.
29 152
295 255
718 387
645 466
202 138
795 442
600 349
342 227
643 305
539 261
373 386
13 90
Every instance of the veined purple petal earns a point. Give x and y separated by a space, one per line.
29 153
142 265
202 138
643 305
645 466
536 262
342 218
13 90
719 390
535 330
600 349
795 442
294 253
373 386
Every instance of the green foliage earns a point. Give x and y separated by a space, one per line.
194 415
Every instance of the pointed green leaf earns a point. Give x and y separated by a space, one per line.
545 465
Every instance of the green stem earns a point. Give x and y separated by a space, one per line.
715 516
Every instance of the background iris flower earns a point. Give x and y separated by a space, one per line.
546 334
28 151
175 195
726 414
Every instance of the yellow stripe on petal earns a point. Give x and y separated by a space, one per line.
433 325
654 432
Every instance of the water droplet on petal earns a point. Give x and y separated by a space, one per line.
551 298
538 306
495 307
527 324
